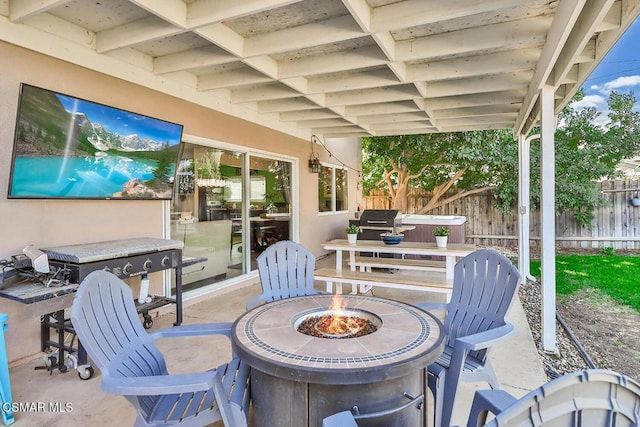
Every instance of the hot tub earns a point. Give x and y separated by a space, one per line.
424 225
437 220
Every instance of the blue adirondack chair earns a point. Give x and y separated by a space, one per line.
105 319
5 383
593 397
484 286
286 270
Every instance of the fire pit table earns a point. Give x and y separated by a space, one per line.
298 379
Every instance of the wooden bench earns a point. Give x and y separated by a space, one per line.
366 280
366 263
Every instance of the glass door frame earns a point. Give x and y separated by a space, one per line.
246 249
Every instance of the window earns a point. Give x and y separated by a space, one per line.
332 189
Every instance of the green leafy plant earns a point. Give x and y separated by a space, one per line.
608 251
441 231
352 229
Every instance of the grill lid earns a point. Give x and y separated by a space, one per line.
380 217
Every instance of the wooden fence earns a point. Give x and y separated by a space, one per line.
616 225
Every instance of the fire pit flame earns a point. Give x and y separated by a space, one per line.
338 322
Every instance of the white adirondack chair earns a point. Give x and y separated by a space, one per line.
286 270
593 397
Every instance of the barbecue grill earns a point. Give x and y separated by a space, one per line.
374 222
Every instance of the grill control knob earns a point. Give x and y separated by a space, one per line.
147 264
127 268
165 261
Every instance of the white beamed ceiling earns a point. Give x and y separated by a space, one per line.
337 67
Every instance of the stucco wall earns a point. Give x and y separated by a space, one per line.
58 222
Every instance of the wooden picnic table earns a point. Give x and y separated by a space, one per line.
451 253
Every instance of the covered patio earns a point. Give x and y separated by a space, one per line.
271 75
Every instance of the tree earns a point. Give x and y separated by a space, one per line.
587 152
467 162
163 168
455 165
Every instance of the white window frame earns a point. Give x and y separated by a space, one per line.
333 210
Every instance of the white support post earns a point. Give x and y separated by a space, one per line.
523 207
524 183
548 218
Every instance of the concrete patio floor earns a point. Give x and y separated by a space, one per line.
515 360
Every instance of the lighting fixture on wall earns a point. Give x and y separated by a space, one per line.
314 161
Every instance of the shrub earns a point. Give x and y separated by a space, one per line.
608 251
441 231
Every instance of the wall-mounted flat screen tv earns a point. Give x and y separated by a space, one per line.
67 147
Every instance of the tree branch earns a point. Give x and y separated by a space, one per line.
416 175
387 179
435 203
453 180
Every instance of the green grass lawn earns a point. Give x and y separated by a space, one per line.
616 276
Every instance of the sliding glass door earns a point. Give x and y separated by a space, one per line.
269 211
228 207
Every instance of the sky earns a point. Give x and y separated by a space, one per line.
124 122
619 71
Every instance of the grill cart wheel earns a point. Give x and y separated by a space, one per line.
86 373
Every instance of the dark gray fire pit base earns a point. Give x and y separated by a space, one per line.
313 402
297 379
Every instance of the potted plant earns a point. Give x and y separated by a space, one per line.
352 231
442 235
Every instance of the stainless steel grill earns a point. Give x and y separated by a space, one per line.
125 258
373 222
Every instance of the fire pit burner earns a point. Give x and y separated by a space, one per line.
338 323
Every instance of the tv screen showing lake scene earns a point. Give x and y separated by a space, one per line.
66 147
